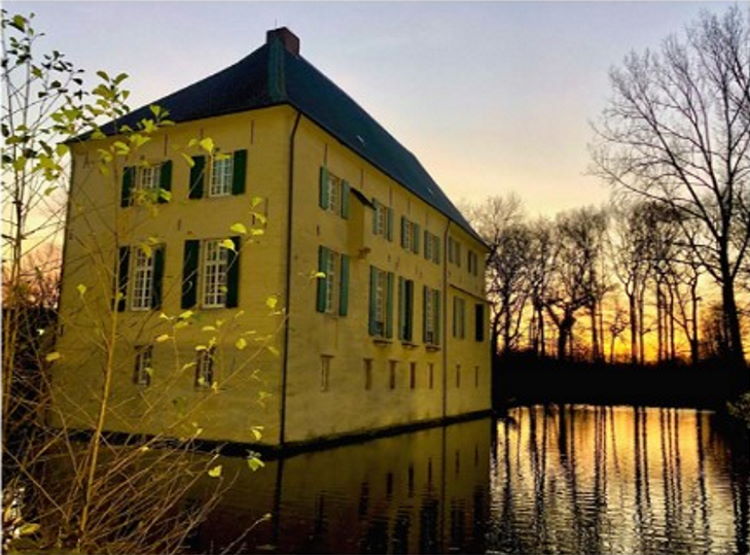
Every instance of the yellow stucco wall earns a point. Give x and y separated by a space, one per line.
228 414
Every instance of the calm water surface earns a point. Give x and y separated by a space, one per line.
560 479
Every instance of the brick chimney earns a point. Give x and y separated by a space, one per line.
287 38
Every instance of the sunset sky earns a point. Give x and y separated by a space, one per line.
491 97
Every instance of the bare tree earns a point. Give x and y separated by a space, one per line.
677 132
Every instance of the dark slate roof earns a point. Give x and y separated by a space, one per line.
273 75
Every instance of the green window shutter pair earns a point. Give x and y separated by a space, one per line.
372 323
128 182
345 188
408 309
415 238
427 245
401 308
344 291
323 188
436 249
425 303
191 269
165 181
122 268
156 292
198 174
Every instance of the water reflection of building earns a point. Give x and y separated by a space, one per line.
616 480
426 491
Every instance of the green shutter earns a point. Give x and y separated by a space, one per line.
415 238
375 216
389 223
436 254
156 291
128 182
123 269
427 245
425 302
373 287
323 186
197 176
403 231
401 308
165 180
320 304
344 291
233 273
409 310
345 187
190 259
239 171
436 312
389 306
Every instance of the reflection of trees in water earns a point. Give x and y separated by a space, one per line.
574 479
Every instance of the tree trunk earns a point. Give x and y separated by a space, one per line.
632 315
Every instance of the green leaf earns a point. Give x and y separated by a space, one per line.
49 190
241 343
51 357
215 472
238 228
61 149
103 75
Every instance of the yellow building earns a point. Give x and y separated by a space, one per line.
393 335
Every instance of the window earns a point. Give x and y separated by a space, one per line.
143 280
325 371
479 322
215 265
392 374
334 193
382 218
431 247
142 371
472 263
412 375
333 286
368 374
222 170
381 302
204 368
431 316
459 318
405 309
148 178
410 235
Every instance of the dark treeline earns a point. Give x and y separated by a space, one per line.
660 274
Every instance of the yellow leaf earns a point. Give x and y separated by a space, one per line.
255 201
255 430
187 314
228 244
215 472
238 228
81 288
27 529
273 350
162 338
319 275
241 343
207 144
271 302
200 347
208 328
52 356
188 159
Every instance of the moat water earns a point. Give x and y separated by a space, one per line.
556 479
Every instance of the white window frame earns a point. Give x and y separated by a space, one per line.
222 173
332 278
205 368
148 177
213 274
408 230
381 302
334 193
142 289
381 219
143 358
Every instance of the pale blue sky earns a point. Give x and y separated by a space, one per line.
491 97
